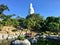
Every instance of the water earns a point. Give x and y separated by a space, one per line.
47 42
5 42
40 42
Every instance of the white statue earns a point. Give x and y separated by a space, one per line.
31 9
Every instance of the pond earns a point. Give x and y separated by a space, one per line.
40 42
47 42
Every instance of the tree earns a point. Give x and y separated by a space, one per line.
57 20
53 26
34 21
15 22
3 8
8 21
50 19
53 19
22 21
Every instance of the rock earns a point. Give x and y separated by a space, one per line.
20 42
3 36
44 36
7 28
33 40
9 37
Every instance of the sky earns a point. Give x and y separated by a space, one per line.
44 7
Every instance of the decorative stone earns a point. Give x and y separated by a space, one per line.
33 40
20 42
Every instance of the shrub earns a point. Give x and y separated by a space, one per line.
21 37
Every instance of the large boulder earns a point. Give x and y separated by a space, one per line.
20 42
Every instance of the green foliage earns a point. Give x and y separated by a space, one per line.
22 22
53 26
7 20
15 22
34 21
10 21
2 8
1 25
50 19
21 37
53 19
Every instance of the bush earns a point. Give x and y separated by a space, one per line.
21 37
